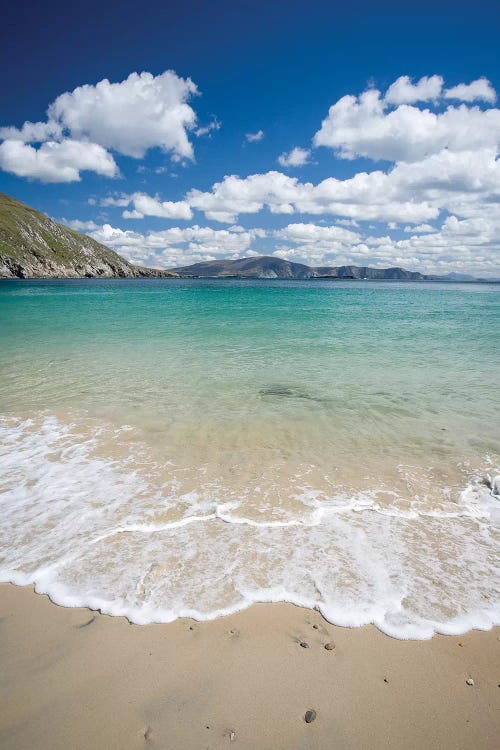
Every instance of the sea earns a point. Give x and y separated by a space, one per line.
185 448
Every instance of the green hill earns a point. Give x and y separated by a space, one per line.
34 246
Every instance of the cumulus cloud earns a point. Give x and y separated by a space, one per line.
119 200
33 132
420 228
146 205
403 91
314 233
56 161
178 246
139 113
129 117
479 90
297 157
364 127
254 137
366 196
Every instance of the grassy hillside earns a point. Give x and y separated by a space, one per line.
32 245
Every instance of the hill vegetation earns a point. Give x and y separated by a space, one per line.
34 246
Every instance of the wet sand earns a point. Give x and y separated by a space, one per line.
75 679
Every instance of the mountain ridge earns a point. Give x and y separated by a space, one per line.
270 267
34 246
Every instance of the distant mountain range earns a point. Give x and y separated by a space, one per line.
267 267
34 246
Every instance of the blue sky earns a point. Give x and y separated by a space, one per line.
404 171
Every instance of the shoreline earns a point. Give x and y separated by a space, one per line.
246 278
76 678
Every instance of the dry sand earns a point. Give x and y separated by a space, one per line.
75 679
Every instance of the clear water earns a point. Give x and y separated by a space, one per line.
185 448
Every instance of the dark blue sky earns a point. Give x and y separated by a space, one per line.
275 67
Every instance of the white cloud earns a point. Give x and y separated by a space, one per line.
80 226
420 228
403 91
362 127
56 161
119 200
297 157
146 205
130 117
139 113
254 137
177 246
33 132
366 196
479 90
313 234
207 129
348 222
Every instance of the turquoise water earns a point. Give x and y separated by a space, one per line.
187 447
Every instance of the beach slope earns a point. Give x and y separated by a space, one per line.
76 679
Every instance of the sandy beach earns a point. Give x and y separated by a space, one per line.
73 678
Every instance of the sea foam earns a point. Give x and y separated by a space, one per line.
92 525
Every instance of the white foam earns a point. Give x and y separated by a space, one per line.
92 530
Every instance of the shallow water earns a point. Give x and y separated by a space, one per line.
185 447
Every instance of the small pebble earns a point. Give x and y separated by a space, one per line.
304 644
315 626
461 644
386 680
329 646
232 735
469 681
310 715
